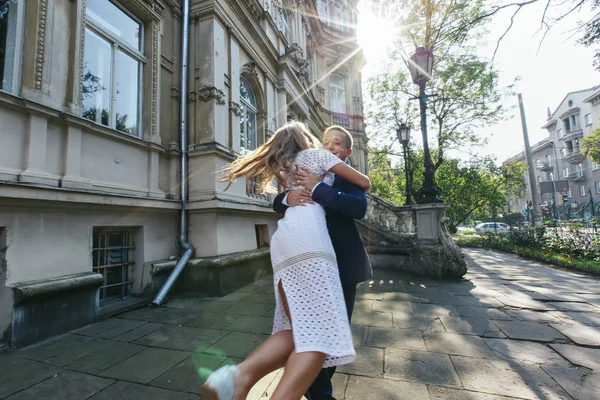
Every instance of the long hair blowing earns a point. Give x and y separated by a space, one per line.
274 159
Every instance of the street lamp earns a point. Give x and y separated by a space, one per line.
421 66
403 133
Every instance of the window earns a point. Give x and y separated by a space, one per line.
566 172
337 94
550 176
582 190
569 195
567 123
112 67
539 178
10 42
285 24
563 153
248 129
112 256
588 119
595 166
579 170
560 133
597 187
576 145
262 236
548 161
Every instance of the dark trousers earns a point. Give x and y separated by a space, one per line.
321 388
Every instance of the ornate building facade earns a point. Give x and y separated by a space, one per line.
89 146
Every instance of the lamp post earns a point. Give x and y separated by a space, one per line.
420 66
403 133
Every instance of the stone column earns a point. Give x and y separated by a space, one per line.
35 153
435 254
72 177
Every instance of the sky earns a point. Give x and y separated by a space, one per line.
559 67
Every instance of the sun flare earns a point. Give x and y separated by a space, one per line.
376 34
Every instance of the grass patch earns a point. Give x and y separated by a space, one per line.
504 244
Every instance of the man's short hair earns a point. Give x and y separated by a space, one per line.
349 140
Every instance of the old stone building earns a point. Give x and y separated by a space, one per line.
89 141
558 158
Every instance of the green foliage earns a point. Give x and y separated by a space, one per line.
590 146
476 186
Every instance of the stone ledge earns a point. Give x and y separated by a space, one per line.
223 261
25 291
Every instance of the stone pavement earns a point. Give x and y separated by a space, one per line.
512 329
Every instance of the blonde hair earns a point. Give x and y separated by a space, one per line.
274 159
349 140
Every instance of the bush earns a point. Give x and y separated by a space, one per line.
467 232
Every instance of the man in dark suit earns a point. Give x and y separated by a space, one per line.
343 203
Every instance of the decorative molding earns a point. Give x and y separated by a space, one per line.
320 94
82 52
41 44
207 93
237 109
250 69
297 55
175 93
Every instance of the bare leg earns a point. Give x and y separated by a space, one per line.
300 371
268 357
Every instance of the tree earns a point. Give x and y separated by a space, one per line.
464 90
475 187
590 146
386 181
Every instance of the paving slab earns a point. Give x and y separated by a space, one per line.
421 322
368 362
237 344
132 391
68 385
482 312
407 339
524 330
585 335
143 313
212 320
107 355
421 367
251 324
175 316
360 334
361 388
444 393
255 309
372 318
579 356
53 347
145 366
99 327
260 298
436 310
182 338
534 316
579 384
525 352
340 384
578 307
127 326
507 379
393 306
138 332
590 319
18 374
455 344
469 325
473 301
190 374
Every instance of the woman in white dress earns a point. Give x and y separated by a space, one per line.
311 328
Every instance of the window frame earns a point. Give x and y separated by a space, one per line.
588 121
117 44
17 62
582 191
343 91
285 24
249 107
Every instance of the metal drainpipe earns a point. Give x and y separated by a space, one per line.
183 133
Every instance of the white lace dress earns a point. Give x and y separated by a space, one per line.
304 261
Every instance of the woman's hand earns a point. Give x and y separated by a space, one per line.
304 177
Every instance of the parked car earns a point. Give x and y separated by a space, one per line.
498 227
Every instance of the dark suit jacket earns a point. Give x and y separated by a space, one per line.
343 203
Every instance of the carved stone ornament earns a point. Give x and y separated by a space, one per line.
207 93
41 43
297 55
250 69
237 109
320 94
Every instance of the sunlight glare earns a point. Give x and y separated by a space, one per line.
375 34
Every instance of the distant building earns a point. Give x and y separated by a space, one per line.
559 157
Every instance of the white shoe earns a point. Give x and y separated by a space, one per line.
221 384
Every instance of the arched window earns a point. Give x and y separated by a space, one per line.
337 94
248 126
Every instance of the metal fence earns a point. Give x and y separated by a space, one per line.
112 257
